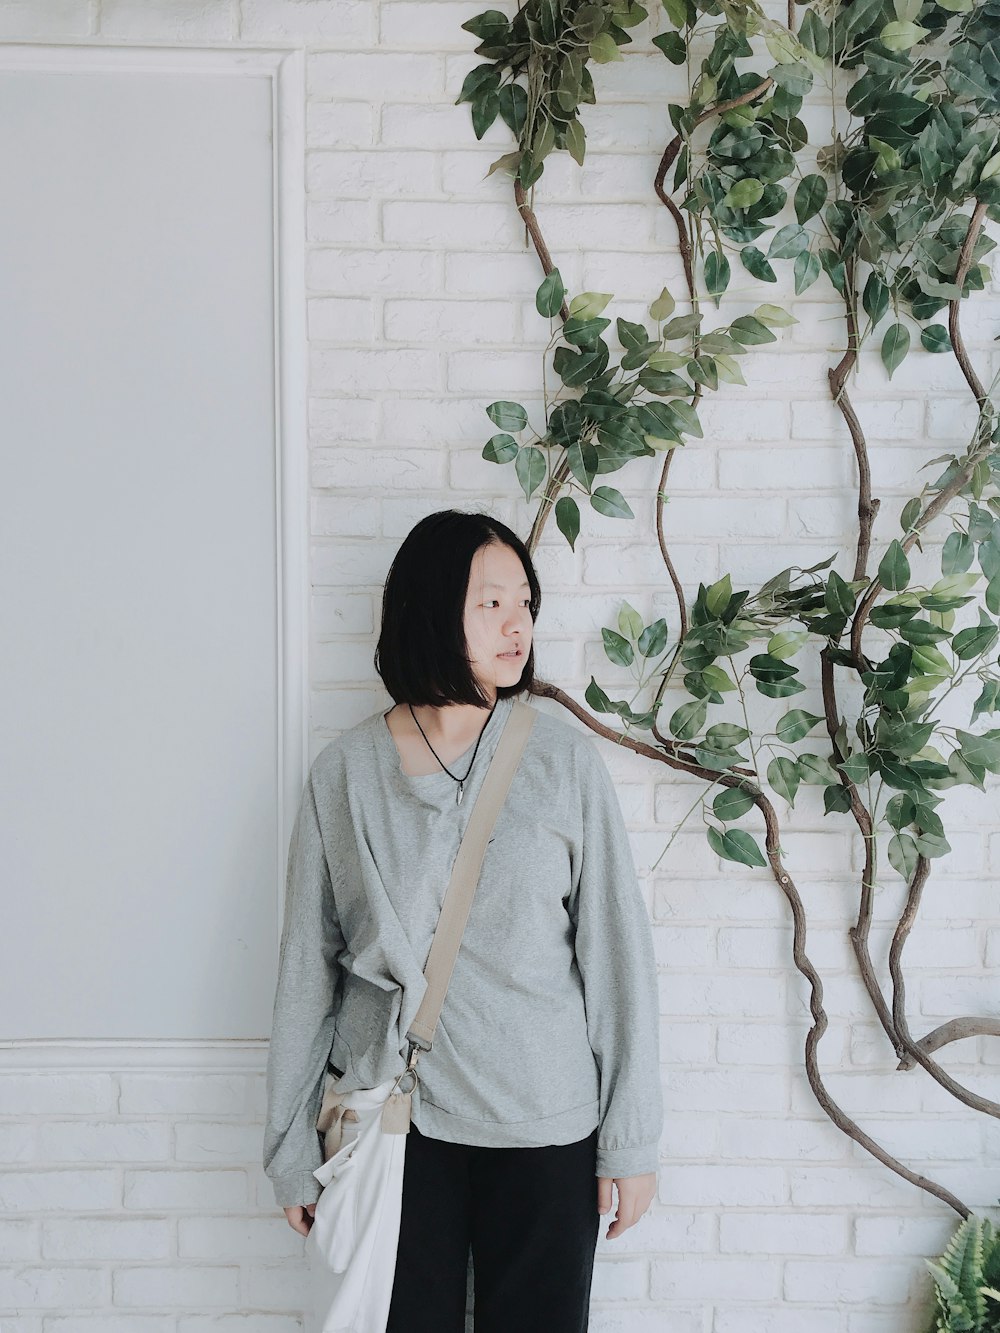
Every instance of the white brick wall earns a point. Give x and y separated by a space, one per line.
135 1203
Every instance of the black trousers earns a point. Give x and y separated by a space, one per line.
530 1216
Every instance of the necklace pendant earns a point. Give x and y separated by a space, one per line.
460 793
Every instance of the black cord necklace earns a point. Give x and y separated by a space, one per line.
461 781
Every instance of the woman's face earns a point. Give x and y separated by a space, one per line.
497 616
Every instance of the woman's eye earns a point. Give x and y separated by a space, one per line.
526 602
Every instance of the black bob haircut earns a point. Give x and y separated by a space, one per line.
422 655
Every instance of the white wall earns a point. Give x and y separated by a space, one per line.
140 1203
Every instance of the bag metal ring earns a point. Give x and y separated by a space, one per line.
406 1082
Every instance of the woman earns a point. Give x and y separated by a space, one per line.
542 1088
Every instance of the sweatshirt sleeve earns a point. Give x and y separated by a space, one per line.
614 951
305 1007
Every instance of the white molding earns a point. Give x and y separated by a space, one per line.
285 68
73 1056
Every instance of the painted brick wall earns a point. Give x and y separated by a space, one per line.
135 1202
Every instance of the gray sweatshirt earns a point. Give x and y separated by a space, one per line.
550 1025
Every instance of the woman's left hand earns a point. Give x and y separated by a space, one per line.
635 1194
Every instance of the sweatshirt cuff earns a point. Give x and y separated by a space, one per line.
615 1163
299 1187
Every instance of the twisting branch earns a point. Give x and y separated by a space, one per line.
913 1049
860 931
956 1029
820 1022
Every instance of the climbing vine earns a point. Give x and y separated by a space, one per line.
889 210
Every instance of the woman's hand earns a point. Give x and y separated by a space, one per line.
300 1217
635 1194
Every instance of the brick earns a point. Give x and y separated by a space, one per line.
782 1234
182 1094
876 1283
185 1189
351 23
59 18
175 1287
716 1279
371 272
359 175
396 368
723 1185
341 222
435 224
373 76
116 1239
340 125
183 20
453 322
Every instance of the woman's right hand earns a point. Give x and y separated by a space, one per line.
300 1217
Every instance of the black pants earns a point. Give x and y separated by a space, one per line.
530 1216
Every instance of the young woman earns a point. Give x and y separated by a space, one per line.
541 1091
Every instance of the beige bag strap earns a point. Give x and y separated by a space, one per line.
465 873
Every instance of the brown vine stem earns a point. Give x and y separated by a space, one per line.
838 375
820 1022
961 480
672 754
956 1029
860 931
917 1052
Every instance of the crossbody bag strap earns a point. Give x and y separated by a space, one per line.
465 873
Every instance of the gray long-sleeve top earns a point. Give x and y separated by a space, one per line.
550 1025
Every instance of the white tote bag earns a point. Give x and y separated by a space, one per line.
354 1236
352 1242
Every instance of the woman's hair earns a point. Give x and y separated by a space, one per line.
422 655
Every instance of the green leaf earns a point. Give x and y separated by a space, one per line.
673 46
617 648
568 519
817 770
807 270
795 724
786 643
576 141
500 449
482 78
744 194
836 799
783 775
514 108
731 803
900 36
788 242
508 416
875 298
810 196
935 338
550 295
629 621
588 305
604 49
894 568
688 720
980 751
717 596
971 642
663 307
857 767
716 678
653 638
754 262
716 274
957 554
774 314
895 345
609 502
736 845
485 110
750 331
529 467
903 855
